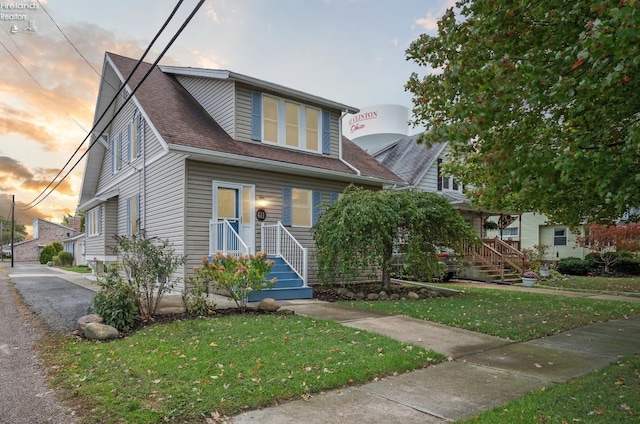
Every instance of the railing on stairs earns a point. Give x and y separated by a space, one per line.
498 256
225 239
276 240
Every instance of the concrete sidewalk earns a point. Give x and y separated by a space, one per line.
483 371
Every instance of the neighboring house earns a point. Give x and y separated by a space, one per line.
44 233
204 158
533 230
75 246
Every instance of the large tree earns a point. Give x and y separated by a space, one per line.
356 236
540 102
19 231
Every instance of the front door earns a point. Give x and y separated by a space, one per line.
234 202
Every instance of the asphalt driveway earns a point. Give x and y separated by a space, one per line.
56 301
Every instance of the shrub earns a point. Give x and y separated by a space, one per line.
196 301
65 258
149 264
237 276
627 265
46 254
56 260
115 302
574 266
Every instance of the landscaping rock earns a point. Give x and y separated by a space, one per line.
268 305
97 331
413 295
359 296
285 311
383 295
394 296
373 296
88 319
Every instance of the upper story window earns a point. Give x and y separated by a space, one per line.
116 153
447 182
290 124
134 132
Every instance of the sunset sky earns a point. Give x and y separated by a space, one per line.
349 51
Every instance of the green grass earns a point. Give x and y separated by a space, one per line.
79 269
609 285
607 396
189 369
515 315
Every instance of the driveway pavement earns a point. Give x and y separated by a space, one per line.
24 397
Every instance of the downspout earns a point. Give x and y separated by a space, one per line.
356 170
144 174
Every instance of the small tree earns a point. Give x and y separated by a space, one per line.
49 251
149 264
357 235
605 239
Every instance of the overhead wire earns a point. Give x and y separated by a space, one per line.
106 109
115 114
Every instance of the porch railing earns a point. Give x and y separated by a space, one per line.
276 240
224 238
488 256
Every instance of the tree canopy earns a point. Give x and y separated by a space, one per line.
19 231
540 104
356 236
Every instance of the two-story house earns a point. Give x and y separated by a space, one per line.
212 160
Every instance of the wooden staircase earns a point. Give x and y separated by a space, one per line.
289 285
495 261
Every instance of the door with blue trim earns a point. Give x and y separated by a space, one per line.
235 204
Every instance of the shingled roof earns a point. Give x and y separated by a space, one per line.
183 123
408 159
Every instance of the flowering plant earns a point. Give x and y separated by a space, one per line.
237 275
530 274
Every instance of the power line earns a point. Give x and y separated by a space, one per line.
146 75
106 109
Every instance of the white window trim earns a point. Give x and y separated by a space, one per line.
93 222
566 236
302 125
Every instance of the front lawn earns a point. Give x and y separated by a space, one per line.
610 285
187 370
616 400
511 314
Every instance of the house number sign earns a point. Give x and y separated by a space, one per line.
261 215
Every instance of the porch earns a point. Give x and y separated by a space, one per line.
290 257
495 261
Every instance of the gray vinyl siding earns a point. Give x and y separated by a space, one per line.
199 200
243 117
215 96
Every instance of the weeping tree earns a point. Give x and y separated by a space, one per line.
356 236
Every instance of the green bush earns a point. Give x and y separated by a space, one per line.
574 266
56 260
115 302
65 258
627 265
46 254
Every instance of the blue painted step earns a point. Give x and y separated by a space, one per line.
288 286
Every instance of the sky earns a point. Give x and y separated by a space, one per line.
52 53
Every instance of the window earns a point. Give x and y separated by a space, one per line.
510 232
440 175
292 117
289 124
313 118
133 215
134 133
300 207
116 153
270 120
94 222
559 236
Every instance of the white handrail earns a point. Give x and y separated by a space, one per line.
276 240
225 239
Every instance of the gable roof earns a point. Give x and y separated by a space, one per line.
186 127
409 160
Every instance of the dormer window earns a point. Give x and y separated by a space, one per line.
290 124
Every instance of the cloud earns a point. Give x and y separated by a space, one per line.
211 12
15 175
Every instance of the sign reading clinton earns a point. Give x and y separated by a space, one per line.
379 119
